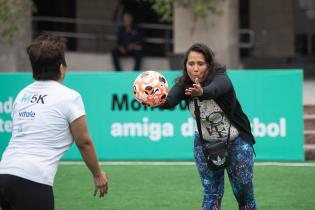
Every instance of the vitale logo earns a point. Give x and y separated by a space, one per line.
27 114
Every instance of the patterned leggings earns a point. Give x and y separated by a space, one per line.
240 172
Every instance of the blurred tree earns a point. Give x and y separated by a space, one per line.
199 8
10 11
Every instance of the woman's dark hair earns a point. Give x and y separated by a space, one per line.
46 53
209 57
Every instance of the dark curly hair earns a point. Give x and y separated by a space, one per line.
209 57
46 53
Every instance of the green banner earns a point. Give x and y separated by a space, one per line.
123 129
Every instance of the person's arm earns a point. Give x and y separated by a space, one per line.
219 85
135 43
120 42
138 39
175 95
86 146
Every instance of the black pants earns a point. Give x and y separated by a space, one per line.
136 54
17 193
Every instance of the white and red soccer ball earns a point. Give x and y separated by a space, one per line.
150 88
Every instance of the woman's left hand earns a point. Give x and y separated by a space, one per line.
196 90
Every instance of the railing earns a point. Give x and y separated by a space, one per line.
108 32
249 36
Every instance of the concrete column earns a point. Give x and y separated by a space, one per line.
221 32
273 24
13 57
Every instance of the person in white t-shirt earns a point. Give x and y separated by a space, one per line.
47 116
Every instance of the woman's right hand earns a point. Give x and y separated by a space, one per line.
196 90
101 184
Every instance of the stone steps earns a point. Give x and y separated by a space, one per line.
309 122
309 151
309 109
309 137
309 131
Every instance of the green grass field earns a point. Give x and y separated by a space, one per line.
172 187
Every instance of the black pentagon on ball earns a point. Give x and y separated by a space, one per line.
144 74
162 79
148 90
134 89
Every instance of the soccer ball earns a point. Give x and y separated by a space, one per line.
150 88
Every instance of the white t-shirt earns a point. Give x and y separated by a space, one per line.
41 134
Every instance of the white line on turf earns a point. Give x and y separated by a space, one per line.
298 164
184 163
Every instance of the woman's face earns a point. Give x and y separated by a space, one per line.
196 66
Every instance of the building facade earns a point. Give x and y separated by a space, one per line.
250 33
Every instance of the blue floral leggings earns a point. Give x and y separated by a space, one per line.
240 172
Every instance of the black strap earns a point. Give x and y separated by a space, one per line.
197 115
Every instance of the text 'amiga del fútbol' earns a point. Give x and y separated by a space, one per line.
5 115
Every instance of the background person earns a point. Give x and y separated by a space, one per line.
128 43
207 80
46 117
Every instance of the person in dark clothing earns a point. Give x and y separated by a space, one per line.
221 117
128 43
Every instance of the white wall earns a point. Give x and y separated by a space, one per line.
221 34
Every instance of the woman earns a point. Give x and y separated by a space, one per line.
221 117
46 117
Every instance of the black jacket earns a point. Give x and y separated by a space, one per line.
220 89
